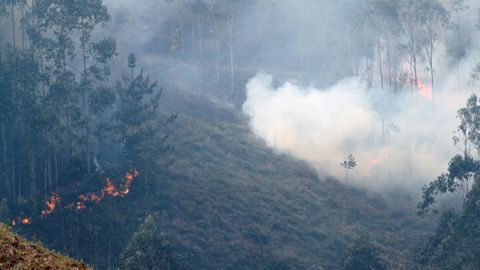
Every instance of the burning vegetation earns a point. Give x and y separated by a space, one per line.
54 201
109 189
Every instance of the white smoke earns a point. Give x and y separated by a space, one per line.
398 140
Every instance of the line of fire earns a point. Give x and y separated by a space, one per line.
54 201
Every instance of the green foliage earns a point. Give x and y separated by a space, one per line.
363 255
133 124
148 249
350 163
456 241
56 108
462 169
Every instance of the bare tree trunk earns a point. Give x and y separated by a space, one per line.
55 157
432 72
12 15
415 73
200 41
4 142
87 105
13 180
23 24
380 63
49 171
230 43
194 49
346 177
433 81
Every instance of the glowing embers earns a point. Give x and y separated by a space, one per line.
21 220
54 201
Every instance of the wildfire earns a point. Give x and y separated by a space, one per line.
20 220
52 202
109 189
425 90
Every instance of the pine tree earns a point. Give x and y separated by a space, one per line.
148 249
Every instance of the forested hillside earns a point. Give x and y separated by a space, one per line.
205 134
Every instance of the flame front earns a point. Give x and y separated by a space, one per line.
22 220
109 189
52 202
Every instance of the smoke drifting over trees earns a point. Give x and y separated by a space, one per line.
412 81
398 146
412 62
255 83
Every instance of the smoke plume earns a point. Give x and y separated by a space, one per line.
397 139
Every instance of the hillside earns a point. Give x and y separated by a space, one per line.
208 134
17 253
227 200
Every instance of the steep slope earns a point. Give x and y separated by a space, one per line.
229 202
17 253
226 201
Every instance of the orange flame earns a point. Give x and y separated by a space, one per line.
425 90
109 189
52 202
23 221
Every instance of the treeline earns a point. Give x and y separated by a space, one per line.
456 241
64 125
391 44
57 103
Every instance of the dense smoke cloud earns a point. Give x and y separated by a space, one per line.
398 140
318 42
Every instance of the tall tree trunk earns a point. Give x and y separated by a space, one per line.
194 45
12 15
87 104
230 45
415 73
55 159
22 6
432 71
380 63
200 41
4 146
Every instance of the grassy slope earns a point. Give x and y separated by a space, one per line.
227 201
17 253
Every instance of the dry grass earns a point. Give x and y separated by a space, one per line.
17 253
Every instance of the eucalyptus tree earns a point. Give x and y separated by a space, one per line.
434 24
457 10
12 10
411 14
348 164
463 170
382 19
95 57
60 25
